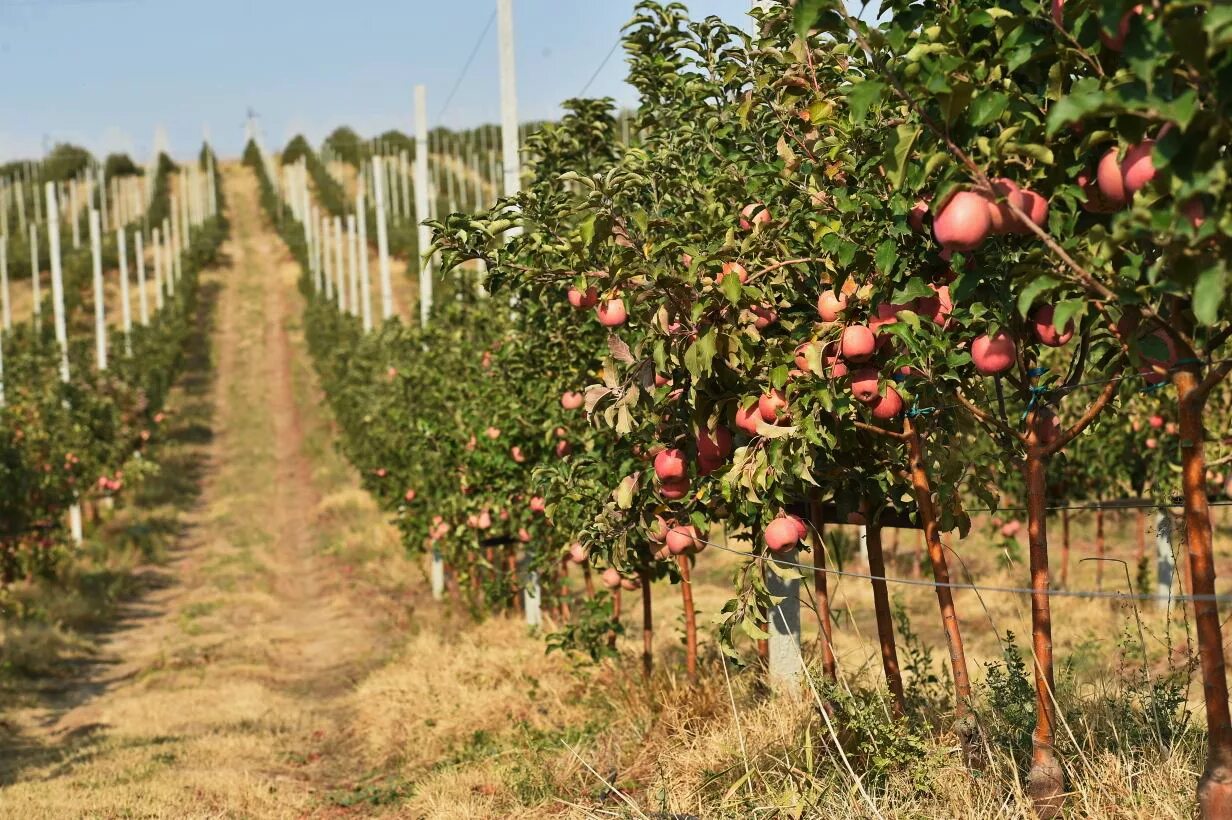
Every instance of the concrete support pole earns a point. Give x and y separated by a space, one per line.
340 285
156 249
6 309
786 668
100 295
382 242
1165 559
352 265
36 286
365 280
422 193
57 279
143 299
438 575
126 311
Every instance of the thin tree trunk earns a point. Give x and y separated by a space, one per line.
647 627
562 594
941 574
590 582
1215 785
885 621
611 638
511 562
1140 549
1045 781
825 631
1100 546
1064 549
690 618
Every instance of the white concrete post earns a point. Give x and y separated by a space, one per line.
74 210
404 183
382 242
35 285
786 668
509 99
327 272
7 311
100 296
863 545
1165 558
339 266
438 575
143 301
57 278
352 265
126 310
422 193
156 250
365 281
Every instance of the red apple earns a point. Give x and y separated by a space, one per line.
1156 422
963 223
773 407
754 214
563 448
1138 168
492 433
1048 335
915 217
765 316
830 305
571 400
577 553
1110 180
516 454
857 343
714 445
889 405
993 354
674 489
747 420
681 539
736 268
611 578
783 533
612 313
583 301
865 385
669 464
537 504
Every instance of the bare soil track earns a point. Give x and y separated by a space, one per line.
221 691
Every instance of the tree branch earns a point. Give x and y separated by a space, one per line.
1105 396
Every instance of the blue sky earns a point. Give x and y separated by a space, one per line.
107 73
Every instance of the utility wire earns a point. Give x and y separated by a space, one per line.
595 76
466 66
920 582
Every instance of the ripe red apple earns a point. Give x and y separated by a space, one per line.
571 400
492 433
681 539
516 453
866 385
886 314
765 316
1156 422
773 407
714 445
1000 217
830 305
801 356
674 489
1010 528
1110 180
662 381
783 533
938 307
484 521
1138 168
612 313
537 504
747 420
523 535
993 354
583 300
409 496
1048 335
915 217
1151 444
670 464
736 268
755 213
857 343
611 578
563 448
889 405
630 584
578 554
836 368
657 531
963 222
1035 207
1058 13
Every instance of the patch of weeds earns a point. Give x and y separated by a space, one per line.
385 791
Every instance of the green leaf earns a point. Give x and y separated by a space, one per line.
988 106
862 95
753 630
700 355
901 142
887 255
731 287
807 12
1208 294
1026 297
1065 311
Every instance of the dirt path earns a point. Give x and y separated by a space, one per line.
225 692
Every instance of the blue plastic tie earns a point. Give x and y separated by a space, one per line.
916 412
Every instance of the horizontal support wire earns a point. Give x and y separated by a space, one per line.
920 582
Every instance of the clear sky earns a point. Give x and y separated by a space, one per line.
107 73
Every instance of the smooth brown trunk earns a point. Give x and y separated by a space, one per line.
918 556
611 638
1064 549
1100 547
1215 785
821 591
590 582
941 574
515 594
690 618
647 627
563 594
1140 549
885 621
1045 781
